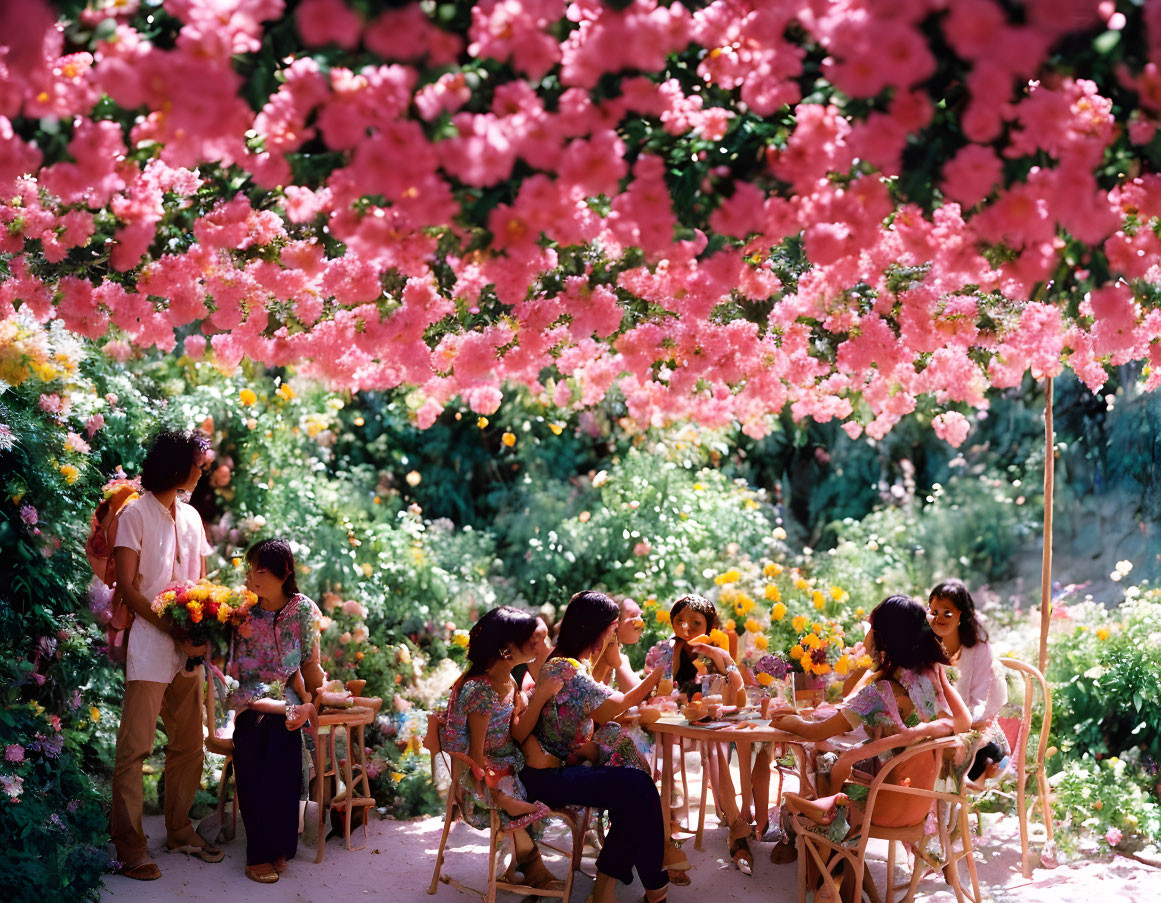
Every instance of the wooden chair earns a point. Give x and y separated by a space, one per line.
827 856
1032 679
575 821
356 795
219 744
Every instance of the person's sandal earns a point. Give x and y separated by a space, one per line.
679 879
146 871
740 848
263 873
204 852
536 874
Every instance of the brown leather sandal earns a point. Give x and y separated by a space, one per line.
146 871
536 873
263 873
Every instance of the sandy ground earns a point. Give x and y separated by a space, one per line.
397 863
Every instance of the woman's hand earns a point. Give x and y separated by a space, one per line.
301 715
792 724
551 685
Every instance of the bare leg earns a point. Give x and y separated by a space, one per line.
513 806
823 811
760 781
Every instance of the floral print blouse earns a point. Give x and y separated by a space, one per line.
566 720
269 647
478 696
876 709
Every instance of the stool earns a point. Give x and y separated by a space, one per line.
357 792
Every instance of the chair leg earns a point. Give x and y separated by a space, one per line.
969 854
890 871
494 843
320 758
448 818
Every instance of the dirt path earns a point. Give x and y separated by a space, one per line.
397 863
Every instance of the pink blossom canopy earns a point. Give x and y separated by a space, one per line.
714 210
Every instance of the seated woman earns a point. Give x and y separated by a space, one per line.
479 721
635 839
980 679
266 655
613 666
906 698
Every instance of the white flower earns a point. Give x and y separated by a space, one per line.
1123 568
12 785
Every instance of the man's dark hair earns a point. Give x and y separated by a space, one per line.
170 457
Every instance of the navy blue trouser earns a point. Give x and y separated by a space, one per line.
268 769
630 796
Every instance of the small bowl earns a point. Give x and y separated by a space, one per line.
356 687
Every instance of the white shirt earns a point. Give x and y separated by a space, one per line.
982 683
169 552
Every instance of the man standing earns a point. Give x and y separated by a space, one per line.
160 540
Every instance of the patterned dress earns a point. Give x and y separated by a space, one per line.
269 648
501 755
875 708
566 720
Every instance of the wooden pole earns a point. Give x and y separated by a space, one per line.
1046 566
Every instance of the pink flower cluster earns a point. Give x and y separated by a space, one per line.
604 285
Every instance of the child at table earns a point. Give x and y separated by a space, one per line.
693 616
906 698
484 701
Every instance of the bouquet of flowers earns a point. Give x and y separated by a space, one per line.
204 611
822 650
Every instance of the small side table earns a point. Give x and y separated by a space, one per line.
357 786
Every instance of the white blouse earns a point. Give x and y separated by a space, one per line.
981 683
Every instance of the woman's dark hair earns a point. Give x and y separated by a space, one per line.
971 631
588 615
274 555
904 637
683 668
497 630
170 457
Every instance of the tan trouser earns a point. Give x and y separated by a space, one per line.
180 705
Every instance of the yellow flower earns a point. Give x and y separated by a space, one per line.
818 600
816 628
397 776
843 666
482 422
509 439
94 714
797 651
765 679
556 428
745 603
823 668
760 642
247 396
772 569
778 612
367 569
662 616
752 626
1103 634
839 594
811 641
285 392
773 593
733 575
236 562
799 623
460 638
70 473
859 612
864 661
730 624
718 638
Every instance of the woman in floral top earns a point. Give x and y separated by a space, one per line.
269 653
566 723
905 699
478 732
